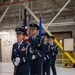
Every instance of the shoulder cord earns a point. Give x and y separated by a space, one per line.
27 48
41 39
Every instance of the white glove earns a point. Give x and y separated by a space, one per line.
47 56
17 59
15 63
33 57
44 58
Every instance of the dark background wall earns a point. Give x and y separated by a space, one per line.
57 29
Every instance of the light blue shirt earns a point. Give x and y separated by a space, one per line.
19 44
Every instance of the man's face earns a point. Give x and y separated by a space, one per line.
33 31
20 37
45 39
51 41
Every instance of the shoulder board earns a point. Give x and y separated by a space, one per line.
30 38
14 44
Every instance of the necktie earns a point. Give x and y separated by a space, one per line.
18 46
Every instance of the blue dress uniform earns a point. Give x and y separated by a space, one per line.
46 64
38 51
53 52
21 56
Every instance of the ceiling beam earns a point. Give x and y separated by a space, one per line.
59 12
5 12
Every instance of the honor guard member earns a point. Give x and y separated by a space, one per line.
52 51
21 54
44 38
46 64
38 50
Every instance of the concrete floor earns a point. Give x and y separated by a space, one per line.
7 69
